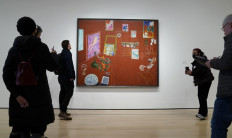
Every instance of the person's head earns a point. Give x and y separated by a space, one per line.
198 52
227 24
38 31
66 44
26 26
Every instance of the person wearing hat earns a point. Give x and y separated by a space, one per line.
30 107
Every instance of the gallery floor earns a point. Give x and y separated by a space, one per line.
180 123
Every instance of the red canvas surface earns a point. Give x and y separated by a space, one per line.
123 70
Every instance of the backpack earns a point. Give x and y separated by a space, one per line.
59 62
25 75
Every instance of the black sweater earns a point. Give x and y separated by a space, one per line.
201 74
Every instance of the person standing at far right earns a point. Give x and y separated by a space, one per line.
66 79
222 114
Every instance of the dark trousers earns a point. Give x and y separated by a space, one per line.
203 91
66 93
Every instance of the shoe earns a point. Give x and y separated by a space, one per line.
15 135
200 116
25 135
36 135
64 116
68 114
20 135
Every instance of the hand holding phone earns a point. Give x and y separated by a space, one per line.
53 50
186 69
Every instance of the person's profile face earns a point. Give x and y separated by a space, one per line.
35 32
227 28
38 35
195 52
69 46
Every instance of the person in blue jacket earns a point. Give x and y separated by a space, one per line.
66 80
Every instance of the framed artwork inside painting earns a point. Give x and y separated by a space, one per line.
117 52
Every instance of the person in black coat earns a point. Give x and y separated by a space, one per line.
66 80
30 107
203 78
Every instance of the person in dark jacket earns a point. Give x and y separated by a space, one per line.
66 79
222 114
30 107
203 78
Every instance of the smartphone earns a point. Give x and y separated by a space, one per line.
53 50
186 69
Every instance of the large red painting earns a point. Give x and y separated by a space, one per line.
117 52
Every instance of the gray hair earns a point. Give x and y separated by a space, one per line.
227 19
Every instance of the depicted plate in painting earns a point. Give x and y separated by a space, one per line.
119 35
91 79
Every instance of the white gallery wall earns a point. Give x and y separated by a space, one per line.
183 25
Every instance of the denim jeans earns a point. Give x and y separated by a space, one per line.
222 117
